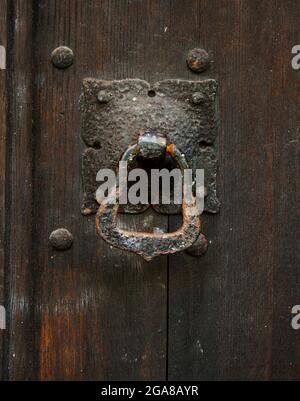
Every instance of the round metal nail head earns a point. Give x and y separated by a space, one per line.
104 96
61 239
199 247
62 57
198 60
198 98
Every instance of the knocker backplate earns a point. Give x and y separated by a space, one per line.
115 112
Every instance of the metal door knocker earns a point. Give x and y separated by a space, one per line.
182 112
147 244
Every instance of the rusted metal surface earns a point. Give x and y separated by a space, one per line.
199 247
198 60
104 97
148 245
198 98
152 146
115 112
61 239
62 57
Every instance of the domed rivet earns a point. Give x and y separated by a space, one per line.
104 96
198 98
61 239
198 60
199 247
62 57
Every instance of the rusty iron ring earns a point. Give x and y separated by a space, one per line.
147 244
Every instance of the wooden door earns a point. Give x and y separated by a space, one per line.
93 312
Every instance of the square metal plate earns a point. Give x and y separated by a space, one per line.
115 112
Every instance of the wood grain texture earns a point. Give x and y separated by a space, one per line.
18 348
230 311
96 313
285 122
3 42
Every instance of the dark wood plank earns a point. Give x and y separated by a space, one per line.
93 313
97 313
19 352
230 310
285 121
3 42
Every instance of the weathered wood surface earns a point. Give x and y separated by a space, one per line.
94 313
3 42
230 312
19 351
97 314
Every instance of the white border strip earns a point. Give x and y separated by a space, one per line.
2 58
